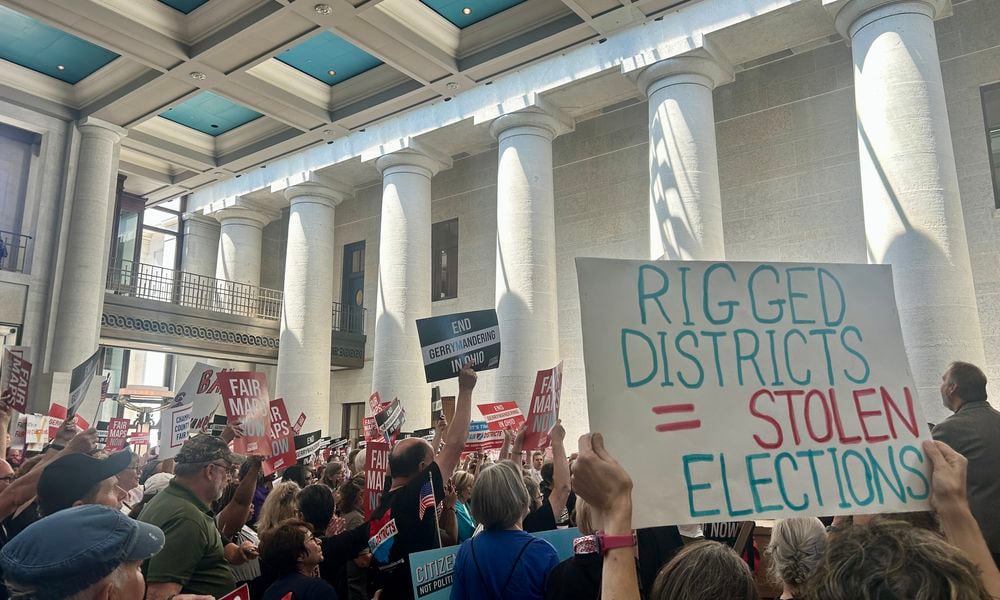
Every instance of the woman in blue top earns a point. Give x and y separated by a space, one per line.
464 482
503 562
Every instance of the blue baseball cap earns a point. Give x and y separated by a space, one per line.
71 550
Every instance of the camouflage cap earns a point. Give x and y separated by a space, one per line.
206 448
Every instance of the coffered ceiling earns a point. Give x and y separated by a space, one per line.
210 89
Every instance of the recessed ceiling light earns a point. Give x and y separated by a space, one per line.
214 126
331 72
197 75
323 9
61 67
466 11
452 85
327 132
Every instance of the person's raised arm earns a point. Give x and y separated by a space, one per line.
560 472
604 484
508 438
24 488
515 452
439 428
458 431
234 515
448 522
948 497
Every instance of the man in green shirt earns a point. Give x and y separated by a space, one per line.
194 558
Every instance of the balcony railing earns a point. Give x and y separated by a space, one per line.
13 251
151 282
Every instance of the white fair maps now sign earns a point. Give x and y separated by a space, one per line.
731 391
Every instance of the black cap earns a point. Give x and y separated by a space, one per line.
69 478
67 552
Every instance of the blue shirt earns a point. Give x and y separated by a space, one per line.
495 553
466 526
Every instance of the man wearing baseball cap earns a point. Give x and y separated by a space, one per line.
84 552
77 479
194 558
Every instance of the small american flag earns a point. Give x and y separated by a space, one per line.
426 499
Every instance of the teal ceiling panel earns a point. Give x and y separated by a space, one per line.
44 49
463 13
210 113
185 6
328 58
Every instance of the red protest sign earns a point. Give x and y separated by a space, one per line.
240 593
282 439
117 433
57 414
15 376
246 398
544 409
376 467
370 427
502 415
139 438
299 423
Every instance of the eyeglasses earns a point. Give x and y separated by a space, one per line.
228 468
8 478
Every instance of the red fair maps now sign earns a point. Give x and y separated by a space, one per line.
502 415
544 409
282 439
15 376
376 467
117 432
246 398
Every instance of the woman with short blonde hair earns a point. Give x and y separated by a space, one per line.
281 504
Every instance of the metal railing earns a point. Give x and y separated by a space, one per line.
13 251
348 318
151 282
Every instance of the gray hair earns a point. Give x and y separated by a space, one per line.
499 499
796 546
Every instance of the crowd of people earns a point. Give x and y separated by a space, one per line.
78 523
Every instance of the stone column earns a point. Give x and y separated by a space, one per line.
685 206
198 259
404 280
240 239
526 302
81 294
303 377
909 183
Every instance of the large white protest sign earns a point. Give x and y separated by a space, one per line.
736 390
202 390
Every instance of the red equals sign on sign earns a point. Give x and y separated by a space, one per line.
670 409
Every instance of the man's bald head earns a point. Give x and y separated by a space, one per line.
6 475
409 456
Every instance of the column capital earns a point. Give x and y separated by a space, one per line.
90 125
200 219
700 66
852 15
415 157
245 213
312 187
551 121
